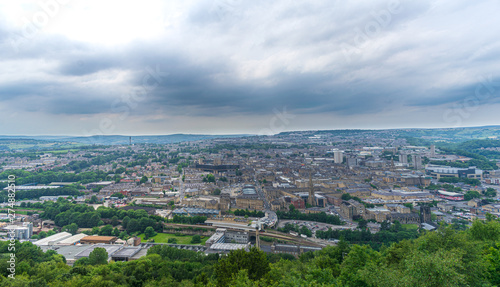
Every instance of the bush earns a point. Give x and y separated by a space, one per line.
149 232
196 239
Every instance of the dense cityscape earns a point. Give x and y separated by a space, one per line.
296 196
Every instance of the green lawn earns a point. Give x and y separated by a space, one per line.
183 239
15 211
28 208
410 226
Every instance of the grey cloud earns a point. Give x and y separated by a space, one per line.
404 65
84 66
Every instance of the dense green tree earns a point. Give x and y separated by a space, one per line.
133 226
209 178
149 232
355 260
114 221
94 220
93 200
123 235
485 230
395 256
304 230
120 170
118 195
98 256
255 261
318 217
196 239
493 264
490 192
42 234
470 194
71 228
106 230
362 224
189 219
125 221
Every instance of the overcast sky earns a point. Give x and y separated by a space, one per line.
233 66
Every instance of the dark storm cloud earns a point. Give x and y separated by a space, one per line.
190 84
54 98
80 106
85 66
19 89
302 93
485 91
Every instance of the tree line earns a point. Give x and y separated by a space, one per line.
37 193
189 219
294 214
388 234
48 176
445 257
249 213
71 216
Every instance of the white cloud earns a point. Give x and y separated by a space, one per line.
334 63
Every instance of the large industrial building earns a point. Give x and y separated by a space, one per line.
224 240
401 195
439 171
249 198
450 195
20 232
53 239
222 235
191 211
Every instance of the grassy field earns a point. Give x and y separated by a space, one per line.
182 239
28 208
16 211
50 147
62 151
410 226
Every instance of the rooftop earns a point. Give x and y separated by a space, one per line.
68 251
447 193
110 249
127 252
228 246
72 239
53 239
194 210
98 238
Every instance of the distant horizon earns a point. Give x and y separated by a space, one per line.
246 134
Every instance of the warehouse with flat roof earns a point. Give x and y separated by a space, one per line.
94 239
73 239
110 249
51 240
